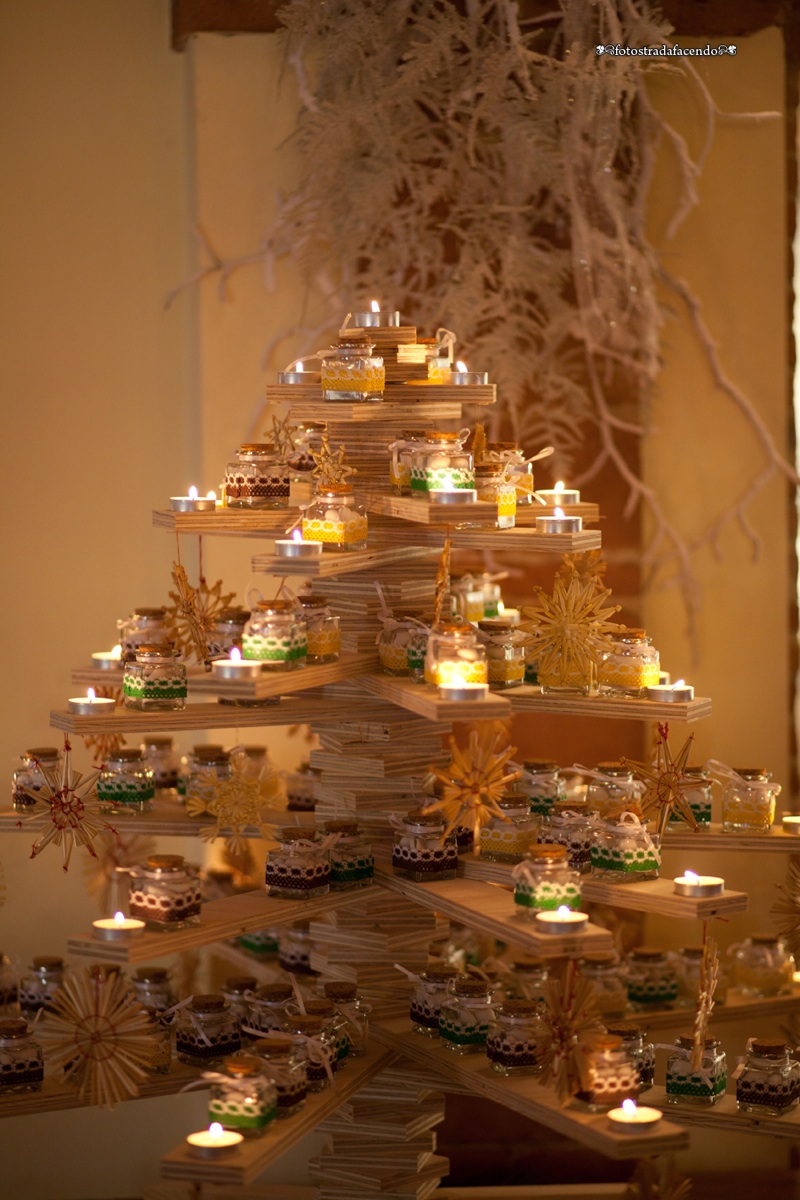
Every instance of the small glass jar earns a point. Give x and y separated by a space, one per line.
545 881
191 762
38 989
400 452
687 963
286 1067
440 365
766 1080
165 893
698 797
421 852
612 789
237 990
543 784
158 751
160 1053
298 868
748 801
495 486
652 979
336 518
242 1095
206 1031
9 981
470 598
354 1012
641 1052
258 479
300 789
630 667
762 966
228 632
465 1015
125 783
323 636
21 1057
703 1086
334 1022
518 468
30 775
402 644
318 1044
266 1008
613 1077
146 626
608 979
505 654
276 636
295 947
527 979
153 989
571 825
441 463
350 371
252 760
565 676
517 1039
260 943
208 766
351 857
625 852
454 655
506 838
492 597
429 992
155 681
307 439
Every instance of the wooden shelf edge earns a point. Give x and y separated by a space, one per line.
419 699
725 1117
57 1097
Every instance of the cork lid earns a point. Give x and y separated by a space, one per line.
440 973
614 768
608 1042
429 817
232 616
297 833
275 606
494 627
695 769
275 993
629 635
686 1041
146 611
625 1029
490 468
752 772
513 800
254 751
274 1047
413 433
467 986
339 992
47 962
519 1008
570 806
320 1008
502 446
599 958
212 755
440 435
646 954
164 862
308 1025
13 1027
535 765
125 754
692 952
159 741
355 338
256 447
155 650
42 752
204 748
313 601
239 984
152 974
764 939
209 1003
768 1047
526 962
243 1065
550 852
348 828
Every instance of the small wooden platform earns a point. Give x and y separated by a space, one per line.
529 698
724 1116
775 841
254 1155
284 683
527 513
490 909
422 511
220 919
523 540
56 1097
332 564
260 522
530 1098
419 698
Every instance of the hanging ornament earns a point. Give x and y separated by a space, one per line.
113 850
238 805
192 616
282 434
709 971
786 909
570 628
442 581
587 565
476 777
574 1031
666 782
331 470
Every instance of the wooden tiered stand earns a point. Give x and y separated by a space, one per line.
378 735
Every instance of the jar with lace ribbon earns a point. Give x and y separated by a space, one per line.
517 1039
625 852
400 452
285 1065
299 868
336 518
318 1045
441 463
748 798
542 782
165 893
354 1011
611 788
126 783
544 881
505 649
402 643
612 1076
519 469
465 1015
155 681
507 836
495 485
430 990
571 824
242 1096
696 1085
762 966
470 598
454 655
630 667
258 479
766 1082
206 1030
421 851
351 858
276 635
608 979
652 979
350 371
640 1051
323 636
21 1057
266 1007
30 774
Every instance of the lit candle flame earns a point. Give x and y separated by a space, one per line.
298 366
461 366
680 683
119 918
563 911
117 651
558 512
297 535
91 694
559 486
192 492
690 877
211 495
236 654
375 306
629 1107
215 1130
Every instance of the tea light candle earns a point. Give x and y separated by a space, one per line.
791 824
674 693
90 705
300 375
193 502
235 667
461 690
559 523
457 496
213 1142
563 920
633 1115
107 660
697 886
118 928
375 319
296 547
464 377
558 494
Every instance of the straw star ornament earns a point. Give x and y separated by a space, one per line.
570 628
238 805
476 778
666 782
331 470
574 1029
192 616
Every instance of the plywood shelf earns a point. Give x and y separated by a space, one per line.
244 1164
775 841
420 699
530 1098
736 1007
284 683
401 402
220 920
332 564
527 513
529 698
56 1097
421 511
488 908
260 522
167 818
724 1117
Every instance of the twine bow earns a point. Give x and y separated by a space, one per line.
721 769
446 340
182 1004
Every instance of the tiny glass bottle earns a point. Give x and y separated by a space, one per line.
640 1051
191 762
766 1080
748 801
242 1096
495 486
276 636
545 881
258 479
707 1084
421 851
608 979
21 1057
492 597
625 852
126 783
698 797
158 750
145 626
652 979
336 518
517 1039
528 979
318 1044
402 644
454 656
505 654
613 1077
266 1008
160 1053
350 371
543 784
430 989
518 468
153 988
441 463
506 838
262 944
208 766
630 667
30 774
228 632
237 990
762 966
351 857
323 636
286 1067
206 1031
354 1011
39 987
334 1023
165 893
465 1015
572 825
155 681
298 868
400 452
611 790
470 598
295 947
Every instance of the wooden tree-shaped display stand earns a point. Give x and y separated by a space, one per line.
378 736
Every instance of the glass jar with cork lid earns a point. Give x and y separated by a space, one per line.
351 858
545 880
421 850
350 371
156 680
441 463
126 783
165 893
507 835
495 486
30 774
335 518
206 1031
748 800
146 626
323 637
21 1057
630 667
259 478
286 1067
465 1015
276 636
242 1096
505 654
454 655
299 867
400 452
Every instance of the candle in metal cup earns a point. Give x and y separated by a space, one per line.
118 928
698 886
90 705
559 523
297 547
193 502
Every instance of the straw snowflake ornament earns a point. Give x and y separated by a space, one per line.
587 565
238 804
666 782
574 1029
100 1036
476 778
442 581
570 628
282 434
73 814
709 971
331 470
113 850
192 616
786 908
